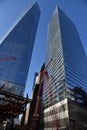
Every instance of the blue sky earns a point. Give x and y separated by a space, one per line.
11 9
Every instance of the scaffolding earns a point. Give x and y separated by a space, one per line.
11 104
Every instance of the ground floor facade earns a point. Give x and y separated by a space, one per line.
65 115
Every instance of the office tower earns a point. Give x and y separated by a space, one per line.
67 74
32 122
68 67
35 106
16 51
35 77
31 106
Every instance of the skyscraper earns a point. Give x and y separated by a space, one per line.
16 51
68 68
66 72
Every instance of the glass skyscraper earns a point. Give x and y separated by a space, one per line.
67 70
68 67
16 51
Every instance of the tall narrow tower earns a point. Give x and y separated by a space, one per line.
16 51
66 73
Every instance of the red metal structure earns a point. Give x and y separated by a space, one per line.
7 58
11 104
38 101
53 112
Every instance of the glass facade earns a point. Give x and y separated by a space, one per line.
19 45
68 67
66 83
